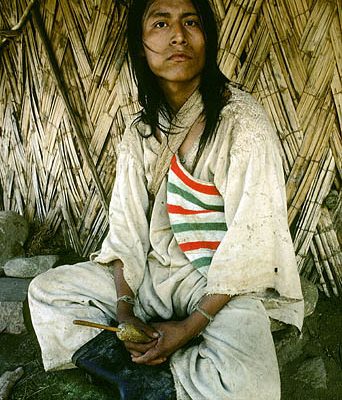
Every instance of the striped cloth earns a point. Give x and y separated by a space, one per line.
196 212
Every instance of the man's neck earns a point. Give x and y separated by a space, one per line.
177 93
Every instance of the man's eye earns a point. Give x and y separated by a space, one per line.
191 22
160 24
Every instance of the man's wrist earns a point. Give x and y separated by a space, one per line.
194 324
124 313
127 299
204 313
123 307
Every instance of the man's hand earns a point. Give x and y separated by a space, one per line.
172 336
175 334
151 332
138 349
166 337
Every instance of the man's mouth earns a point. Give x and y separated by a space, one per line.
179 56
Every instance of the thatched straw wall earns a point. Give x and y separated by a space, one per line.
65 89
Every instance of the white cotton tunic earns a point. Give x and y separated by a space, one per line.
255 262
256 256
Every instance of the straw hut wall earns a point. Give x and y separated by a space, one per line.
66 89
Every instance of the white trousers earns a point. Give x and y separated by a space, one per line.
235 361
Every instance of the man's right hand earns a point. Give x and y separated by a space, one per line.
139 349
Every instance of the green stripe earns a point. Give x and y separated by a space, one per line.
171 187
202 262
202 226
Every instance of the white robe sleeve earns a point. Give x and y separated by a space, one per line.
128 236
256 253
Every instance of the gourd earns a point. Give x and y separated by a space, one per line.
124 331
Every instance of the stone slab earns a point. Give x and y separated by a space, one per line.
13 293
313 373
12 317
13 289
289 346
29 267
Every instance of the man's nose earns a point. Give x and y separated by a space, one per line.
178 34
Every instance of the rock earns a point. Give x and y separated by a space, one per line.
277 325
288 342
310 294
289 345
312 373
29 267
14 231
8 380
13 293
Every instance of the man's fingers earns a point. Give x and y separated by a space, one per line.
139 347
148 357
150 332
158 361
135 353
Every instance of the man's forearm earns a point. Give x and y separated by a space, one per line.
208 307
122 289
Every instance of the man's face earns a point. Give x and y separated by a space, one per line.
173 41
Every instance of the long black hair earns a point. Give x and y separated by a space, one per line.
213 84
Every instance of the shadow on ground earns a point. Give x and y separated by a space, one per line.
314 374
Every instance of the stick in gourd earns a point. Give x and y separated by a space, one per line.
125 331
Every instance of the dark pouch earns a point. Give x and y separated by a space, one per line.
106 359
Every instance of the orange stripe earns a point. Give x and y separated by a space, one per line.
199 245
207 189
180 210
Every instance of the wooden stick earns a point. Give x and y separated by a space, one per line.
95 325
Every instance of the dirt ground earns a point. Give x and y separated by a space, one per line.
318 352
